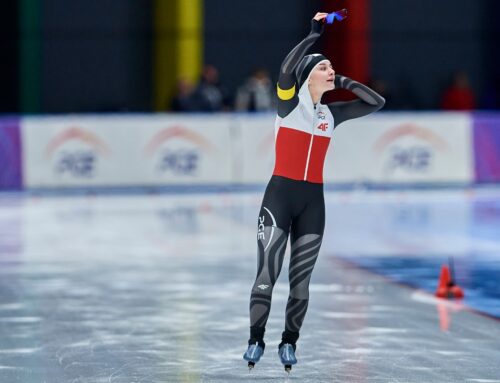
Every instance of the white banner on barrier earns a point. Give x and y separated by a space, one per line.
125 150
256 148
402 148
142 150
73 150
184 150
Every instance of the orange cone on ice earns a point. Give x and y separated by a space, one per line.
446 286
444 280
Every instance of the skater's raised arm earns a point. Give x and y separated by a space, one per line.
287 82
369 101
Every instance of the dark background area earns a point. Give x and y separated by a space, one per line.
418 45
241 36
9 63
98 55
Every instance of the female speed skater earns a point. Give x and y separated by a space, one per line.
293 202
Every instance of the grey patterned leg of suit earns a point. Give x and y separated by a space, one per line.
272 248
304 254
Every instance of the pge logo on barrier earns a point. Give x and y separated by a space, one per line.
409 148
76 152
412 159
79 164
179 150
179 161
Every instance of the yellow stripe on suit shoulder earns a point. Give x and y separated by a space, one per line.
286 94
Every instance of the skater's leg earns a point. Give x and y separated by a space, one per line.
307 235
272 235
271 251
305 251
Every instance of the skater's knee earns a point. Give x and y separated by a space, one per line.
263 284
262 287
300 292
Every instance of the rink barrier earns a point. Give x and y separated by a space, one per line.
487 147
10 154
175 152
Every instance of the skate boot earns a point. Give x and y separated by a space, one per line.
253 354
287 356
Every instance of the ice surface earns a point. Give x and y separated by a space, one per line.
155 288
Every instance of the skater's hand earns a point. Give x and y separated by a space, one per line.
318 21
320 16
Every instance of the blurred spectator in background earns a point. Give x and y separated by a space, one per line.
459 95
209 95
256 94
182 100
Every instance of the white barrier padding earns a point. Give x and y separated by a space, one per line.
163 149
125 150
257 147
402 148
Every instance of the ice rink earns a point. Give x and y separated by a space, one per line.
155 288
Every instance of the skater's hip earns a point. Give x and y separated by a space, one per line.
288 185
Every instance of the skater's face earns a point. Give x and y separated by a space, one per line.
322 78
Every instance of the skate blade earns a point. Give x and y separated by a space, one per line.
288 368
251 365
